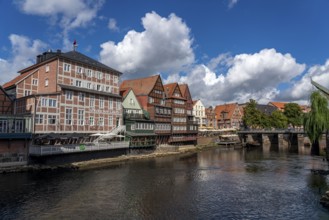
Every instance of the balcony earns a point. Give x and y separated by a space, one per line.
133 116
15 127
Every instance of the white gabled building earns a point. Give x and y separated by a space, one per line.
199 113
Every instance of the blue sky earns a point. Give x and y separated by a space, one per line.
226 50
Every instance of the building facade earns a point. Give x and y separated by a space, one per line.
228 116
152 97
139 127
211 122
15 133
179 119
199 113
68 93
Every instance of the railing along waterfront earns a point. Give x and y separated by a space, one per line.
42 150
270 131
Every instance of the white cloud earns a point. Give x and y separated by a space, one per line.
164 45
302 89
23 55
248 76
112 25
231 3
68 14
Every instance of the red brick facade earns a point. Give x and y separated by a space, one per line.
68 92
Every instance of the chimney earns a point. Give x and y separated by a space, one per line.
39 58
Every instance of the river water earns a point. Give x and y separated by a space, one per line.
213 184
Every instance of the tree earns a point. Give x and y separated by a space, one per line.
294 114
252 117
316 121
278 119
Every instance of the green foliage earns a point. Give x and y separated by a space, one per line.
294 114
279 120
252 117
316 121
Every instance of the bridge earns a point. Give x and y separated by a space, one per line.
293 140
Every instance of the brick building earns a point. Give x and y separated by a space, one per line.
152 97
211 122
228 115
68 94
15 133
181 130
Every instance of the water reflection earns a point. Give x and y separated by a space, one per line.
214 184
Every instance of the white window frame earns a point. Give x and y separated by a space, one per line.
67 67
81 116
68 95
68 116
101 102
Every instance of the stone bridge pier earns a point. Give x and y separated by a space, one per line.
281 142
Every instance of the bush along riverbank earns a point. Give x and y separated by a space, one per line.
99 163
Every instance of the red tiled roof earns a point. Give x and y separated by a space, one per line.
124 92
229 108
279 105
141 86
170 88
15 80
183 88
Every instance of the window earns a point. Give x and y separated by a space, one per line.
43 102
27 92
38 119
89 73
81 117
115 79
69 95
19 126
111 103
107 76
3 126
52 102
47 68
51 119
46 82
67 67
101 102
79 70
78 83
132 102
91 121
81 96
35 82
118 105
151 100
99 75
101 121
110 121
99 87
68 116
92 101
